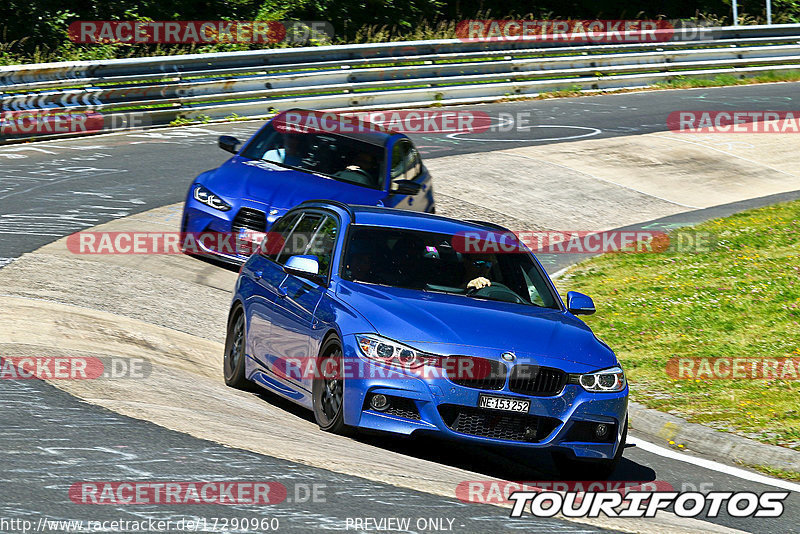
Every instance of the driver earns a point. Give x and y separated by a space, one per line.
294 150
476 271
364 161
290 154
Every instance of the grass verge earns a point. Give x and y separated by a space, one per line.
680 82
777 473
728 79
740 299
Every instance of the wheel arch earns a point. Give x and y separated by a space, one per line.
236 305
327 340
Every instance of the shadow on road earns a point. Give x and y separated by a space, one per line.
492 462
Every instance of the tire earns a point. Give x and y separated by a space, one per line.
234 359
571 468
183 234
327 392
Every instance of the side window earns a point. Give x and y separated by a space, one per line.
533 291
275 238
266 140
297 241
538 290
413 164
406 163
322 244
399 153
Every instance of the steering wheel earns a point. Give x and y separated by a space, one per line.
496 291
363 174
361 171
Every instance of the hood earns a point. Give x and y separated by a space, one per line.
450 324
281 188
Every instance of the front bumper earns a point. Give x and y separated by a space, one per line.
198 218
438 406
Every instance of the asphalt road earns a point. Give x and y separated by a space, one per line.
51 440
51 189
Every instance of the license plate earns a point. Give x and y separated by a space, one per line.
250 236
504 403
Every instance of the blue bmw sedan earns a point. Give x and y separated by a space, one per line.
282 166
380 319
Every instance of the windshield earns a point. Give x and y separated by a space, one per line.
335 156
428 261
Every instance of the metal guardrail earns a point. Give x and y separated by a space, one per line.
381 75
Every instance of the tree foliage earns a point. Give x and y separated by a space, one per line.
36 24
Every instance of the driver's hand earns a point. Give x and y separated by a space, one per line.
479 283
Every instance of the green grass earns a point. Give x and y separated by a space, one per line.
741 299
728 79
778 473
200 119
680 82
571 91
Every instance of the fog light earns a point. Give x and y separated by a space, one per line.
601 431
529 434
379 402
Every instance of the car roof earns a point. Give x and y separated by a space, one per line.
373 134
396 218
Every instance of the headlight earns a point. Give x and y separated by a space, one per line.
389 352
605 381
201 194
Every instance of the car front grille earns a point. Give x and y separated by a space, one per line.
251 219
536 381
478 373
497 425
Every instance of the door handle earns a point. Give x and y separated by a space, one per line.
282 292
258 274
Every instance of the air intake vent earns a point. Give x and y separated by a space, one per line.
250 219
497 425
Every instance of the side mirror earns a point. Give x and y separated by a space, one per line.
302 266
405 187
228 143
579 304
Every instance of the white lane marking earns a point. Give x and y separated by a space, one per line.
594 131
714 466
66 178
137 472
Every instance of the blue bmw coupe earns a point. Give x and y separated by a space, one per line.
280 167
377 318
